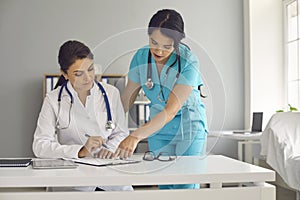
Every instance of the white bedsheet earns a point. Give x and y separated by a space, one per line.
280 143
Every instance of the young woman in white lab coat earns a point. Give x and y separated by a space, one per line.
62 130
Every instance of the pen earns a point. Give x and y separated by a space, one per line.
104 145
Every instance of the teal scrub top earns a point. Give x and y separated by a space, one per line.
190 122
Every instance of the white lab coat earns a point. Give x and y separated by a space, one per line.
89 119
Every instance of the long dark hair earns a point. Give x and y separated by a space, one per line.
69 52
170 24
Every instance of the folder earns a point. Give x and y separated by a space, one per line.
13 162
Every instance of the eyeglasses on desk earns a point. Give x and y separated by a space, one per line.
162 156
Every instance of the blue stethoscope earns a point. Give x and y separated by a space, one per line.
109 126
149 83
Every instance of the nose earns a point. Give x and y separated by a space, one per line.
159 51
87 77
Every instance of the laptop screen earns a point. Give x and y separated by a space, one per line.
257 122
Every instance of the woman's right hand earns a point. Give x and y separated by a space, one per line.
126 147
91 144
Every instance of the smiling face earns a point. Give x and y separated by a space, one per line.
161 46
81 75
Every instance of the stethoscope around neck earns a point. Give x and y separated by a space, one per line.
149 83
109 126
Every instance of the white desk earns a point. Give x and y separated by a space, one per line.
215 170
245 142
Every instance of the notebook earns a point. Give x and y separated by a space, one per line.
257 119
15 162
98 162
53 164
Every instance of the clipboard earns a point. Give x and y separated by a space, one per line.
98 162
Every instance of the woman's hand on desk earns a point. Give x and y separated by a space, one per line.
91 144
104 153
126 147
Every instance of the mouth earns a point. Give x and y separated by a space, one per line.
157 56
88 83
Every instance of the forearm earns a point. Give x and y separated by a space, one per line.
176 99
45 143
48 149
129 95
112 143
156 123
127 102
83 152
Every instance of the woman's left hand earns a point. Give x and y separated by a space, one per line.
126 147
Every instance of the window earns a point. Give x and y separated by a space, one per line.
292 53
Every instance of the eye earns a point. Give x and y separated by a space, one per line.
91 68
78 73
168 47
153 42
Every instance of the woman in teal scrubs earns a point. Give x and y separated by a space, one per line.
168 72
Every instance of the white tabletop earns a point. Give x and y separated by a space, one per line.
211 169
236 136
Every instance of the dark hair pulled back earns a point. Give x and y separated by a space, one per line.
170 24
69 52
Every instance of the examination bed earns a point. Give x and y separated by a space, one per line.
280 146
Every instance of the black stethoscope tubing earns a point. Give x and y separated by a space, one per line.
149 83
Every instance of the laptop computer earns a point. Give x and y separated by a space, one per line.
257 119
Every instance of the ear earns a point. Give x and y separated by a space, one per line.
64 74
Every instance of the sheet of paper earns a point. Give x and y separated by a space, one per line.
103 162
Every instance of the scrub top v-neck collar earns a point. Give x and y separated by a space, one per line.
161 80
169 62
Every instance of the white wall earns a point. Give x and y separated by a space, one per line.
264 72
31 32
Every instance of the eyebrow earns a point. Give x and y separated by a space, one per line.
77 70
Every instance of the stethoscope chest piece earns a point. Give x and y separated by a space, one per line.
110 126
149 83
